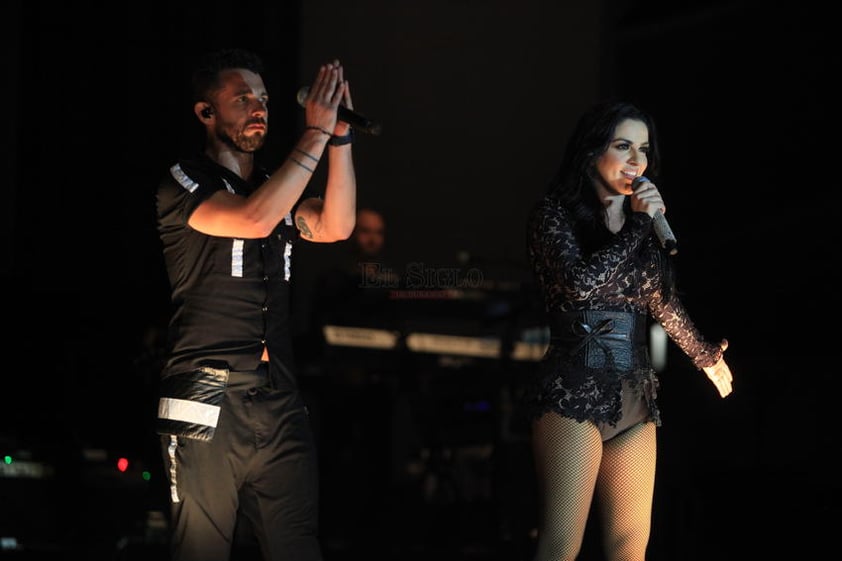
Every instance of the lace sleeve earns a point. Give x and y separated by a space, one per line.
675 320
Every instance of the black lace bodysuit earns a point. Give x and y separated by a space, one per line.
622 274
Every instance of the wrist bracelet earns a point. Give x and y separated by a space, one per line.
342 140
320 129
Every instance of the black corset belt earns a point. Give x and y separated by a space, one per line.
602 339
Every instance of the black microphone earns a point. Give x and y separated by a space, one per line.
662 229
359 122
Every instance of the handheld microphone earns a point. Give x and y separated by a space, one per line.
356 120
662 228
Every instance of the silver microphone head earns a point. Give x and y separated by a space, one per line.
638 180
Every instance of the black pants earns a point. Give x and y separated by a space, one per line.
261 463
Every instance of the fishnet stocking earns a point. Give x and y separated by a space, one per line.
624 489
571 461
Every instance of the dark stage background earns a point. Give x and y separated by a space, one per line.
421 456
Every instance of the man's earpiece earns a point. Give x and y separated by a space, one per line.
207 112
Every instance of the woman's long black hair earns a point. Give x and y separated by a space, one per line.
573 183
572 187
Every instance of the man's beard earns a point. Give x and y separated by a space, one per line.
242 143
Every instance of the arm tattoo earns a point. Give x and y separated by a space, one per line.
296 162
302 226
